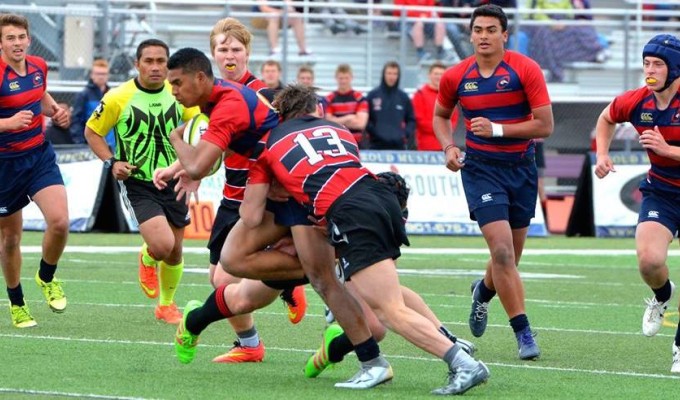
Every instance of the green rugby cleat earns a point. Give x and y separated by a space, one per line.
21 317
53 292
319 361
185 341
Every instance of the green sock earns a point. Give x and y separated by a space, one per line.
169 278
147 257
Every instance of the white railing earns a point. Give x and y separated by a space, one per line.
631 19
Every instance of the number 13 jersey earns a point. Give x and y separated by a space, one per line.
314 159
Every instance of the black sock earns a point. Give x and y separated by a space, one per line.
339 348
367 350
677 337
210 312
485 294
46 271
449 335
16 296
519 323
663 293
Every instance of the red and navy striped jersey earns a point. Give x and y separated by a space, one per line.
639 108
516 87
236 166
314 159
238 120
19 93
352 102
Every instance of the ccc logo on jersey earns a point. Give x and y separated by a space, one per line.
471 87
646 117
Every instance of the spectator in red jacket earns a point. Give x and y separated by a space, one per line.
423 106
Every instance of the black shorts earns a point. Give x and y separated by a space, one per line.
366 226
225 219
144 202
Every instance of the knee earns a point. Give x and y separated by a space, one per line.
649 261
59 225
222 278
161 250
239 306
11 241
503 256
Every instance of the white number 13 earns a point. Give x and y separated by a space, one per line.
314 156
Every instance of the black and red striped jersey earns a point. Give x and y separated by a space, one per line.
314 159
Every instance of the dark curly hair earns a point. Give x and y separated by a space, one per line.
397 185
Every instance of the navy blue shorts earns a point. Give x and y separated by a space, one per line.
23 176
289 213
500 191
660 206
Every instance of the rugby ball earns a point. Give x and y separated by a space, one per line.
193 130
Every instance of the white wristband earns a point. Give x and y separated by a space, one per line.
496 130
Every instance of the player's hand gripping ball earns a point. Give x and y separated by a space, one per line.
193 130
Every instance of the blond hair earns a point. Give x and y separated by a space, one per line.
343 69
230 27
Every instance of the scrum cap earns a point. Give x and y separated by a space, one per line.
667 48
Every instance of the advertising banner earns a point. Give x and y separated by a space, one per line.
616 197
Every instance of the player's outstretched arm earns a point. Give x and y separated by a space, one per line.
253 205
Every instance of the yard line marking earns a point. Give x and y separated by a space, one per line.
307 351
68 394
431 251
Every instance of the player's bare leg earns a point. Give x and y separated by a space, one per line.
242 253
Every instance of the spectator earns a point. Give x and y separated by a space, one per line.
420 29
88 99
271 74
347 106
555 45
305 75
458 34
423 107
273 24
59 133
342 23
391 122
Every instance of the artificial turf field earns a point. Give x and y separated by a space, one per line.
584 298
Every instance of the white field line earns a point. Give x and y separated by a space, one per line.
430 251
307 351
448 323
67 394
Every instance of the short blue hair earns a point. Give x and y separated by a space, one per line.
667 48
